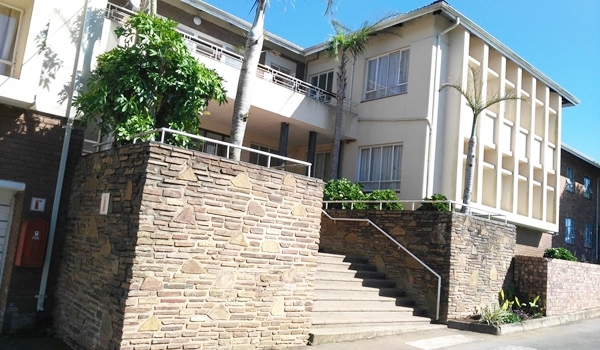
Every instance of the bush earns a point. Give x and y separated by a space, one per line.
442 206
495 316
344 190
384 195
559 253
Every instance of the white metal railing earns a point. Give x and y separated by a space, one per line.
452 206
400 246
206 49
215 147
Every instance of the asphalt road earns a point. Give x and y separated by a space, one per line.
582 335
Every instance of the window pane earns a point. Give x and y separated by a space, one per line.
9 24
364 164
403 78
394 70
382 72
375 171
386 163
372 75
329 86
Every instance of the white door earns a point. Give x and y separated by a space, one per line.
6 206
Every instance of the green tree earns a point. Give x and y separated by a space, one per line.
243 96
478 101
342 45
151 82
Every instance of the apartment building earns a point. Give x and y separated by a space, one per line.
399 130
578 225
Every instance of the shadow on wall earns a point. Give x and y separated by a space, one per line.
31 145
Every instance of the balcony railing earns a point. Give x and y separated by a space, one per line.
206 49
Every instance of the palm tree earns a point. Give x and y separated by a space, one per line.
241 107
148 6
476 100
340 46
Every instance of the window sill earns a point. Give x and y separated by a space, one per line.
380 98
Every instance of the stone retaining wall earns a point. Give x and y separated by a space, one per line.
471 254
196 252
563 286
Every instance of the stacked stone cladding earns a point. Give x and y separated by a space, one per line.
472 255
563 286
196 251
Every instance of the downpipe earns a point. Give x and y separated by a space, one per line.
61 169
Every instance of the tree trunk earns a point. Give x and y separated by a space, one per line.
339 113
241 107
148 6
469 170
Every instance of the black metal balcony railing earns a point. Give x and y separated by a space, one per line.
206 49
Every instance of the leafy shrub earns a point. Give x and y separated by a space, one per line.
384 195
559 253
494 316
441 206
344 190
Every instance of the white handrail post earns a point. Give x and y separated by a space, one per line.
162 135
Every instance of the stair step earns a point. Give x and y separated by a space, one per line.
372 306
349 274
327 257
342 282
336 334
345 266
336 318
348 297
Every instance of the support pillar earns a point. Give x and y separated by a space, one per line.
312 151
283 140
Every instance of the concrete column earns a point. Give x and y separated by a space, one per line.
283 140
312 151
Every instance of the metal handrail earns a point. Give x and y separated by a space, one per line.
439 287
206 49
452 205
164 131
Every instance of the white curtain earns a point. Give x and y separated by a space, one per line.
9 21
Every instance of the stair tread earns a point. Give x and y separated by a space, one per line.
337 329
362 308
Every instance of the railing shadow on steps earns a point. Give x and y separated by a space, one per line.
400 246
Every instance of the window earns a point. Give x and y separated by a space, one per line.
212 147
569 231
323 81
281 69
387 75
588 236
570 180
322 166
379 167
587 187
261 159
10 19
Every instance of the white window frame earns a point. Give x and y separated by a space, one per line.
387 90
570 179
315 93
364 175
587 187
13 59
569 231
588 237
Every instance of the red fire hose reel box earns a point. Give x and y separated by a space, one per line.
32 243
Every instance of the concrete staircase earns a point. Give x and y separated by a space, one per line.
353 301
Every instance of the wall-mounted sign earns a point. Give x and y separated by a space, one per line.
104 203
38 204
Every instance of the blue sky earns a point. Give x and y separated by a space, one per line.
560 38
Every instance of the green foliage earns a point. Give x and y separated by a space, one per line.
384 195
441 206
559 253
344 190
151 82
494 316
